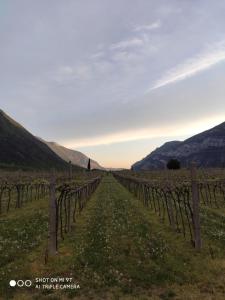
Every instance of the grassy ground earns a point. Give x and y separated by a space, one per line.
120 250
22 231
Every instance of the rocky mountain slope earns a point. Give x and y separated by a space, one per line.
20 149
74 156
207 149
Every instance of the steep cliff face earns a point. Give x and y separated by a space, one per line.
207 149
19 148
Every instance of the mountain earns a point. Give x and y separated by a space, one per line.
207 149
76 157
115 169
20 149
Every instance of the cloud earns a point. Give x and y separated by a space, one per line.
132 42
148 27
125 56
97 55
70 73
205 60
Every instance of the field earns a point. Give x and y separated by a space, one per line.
122 244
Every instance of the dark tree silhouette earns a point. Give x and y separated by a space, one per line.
173 164
89 165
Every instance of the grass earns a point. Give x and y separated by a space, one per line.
22 231
119 250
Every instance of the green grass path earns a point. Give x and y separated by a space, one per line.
119 247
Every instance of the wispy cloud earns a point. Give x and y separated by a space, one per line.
152 26
132 42
68 73
205 60
97 55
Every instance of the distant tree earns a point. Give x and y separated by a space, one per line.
173 164
89 165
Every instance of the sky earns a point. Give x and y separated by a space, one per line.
113 79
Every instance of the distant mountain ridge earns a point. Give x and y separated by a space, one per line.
76 157
19 148
207 149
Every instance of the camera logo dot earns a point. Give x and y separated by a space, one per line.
12 283
28 283
20 283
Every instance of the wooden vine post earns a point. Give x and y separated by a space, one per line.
169 199
196 208
69 214
52 244
70 170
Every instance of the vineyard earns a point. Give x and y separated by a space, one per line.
120 235
175 201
